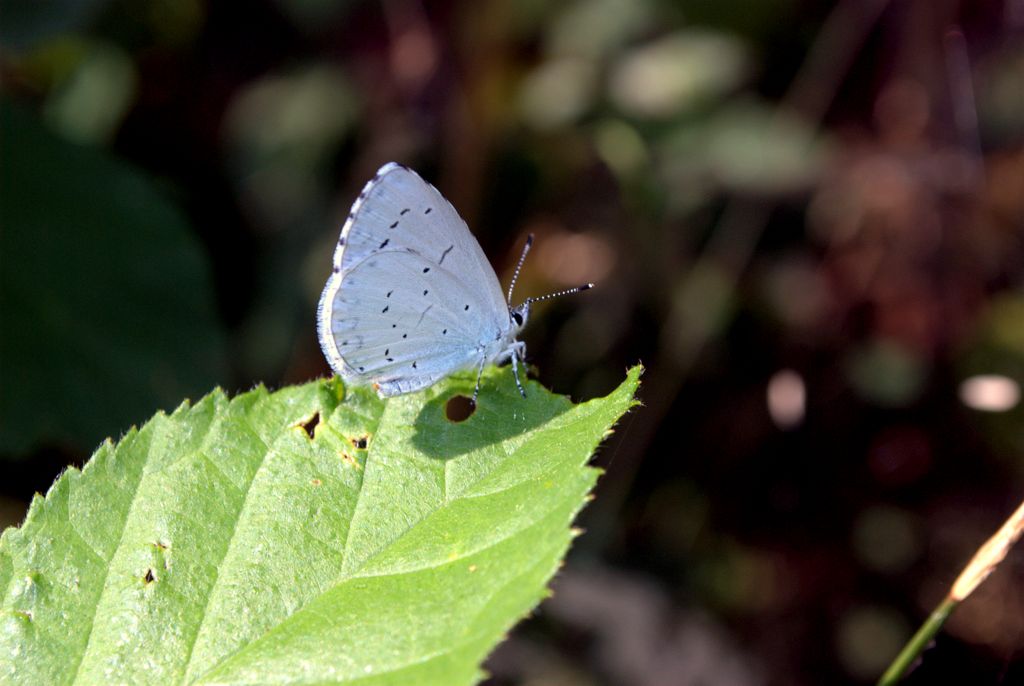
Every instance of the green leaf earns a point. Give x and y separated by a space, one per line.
104 291
224 545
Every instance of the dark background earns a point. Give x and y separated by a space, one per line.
805 218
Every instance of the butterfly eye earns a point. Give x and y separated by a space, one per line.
517 318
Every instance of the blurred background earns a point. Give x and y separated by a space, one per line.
805 218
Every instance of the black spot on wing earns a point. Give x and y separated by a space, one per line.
445 254
382 245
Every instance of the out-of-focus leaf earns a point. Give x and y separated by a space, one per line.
105 296
887 373
557 92
681 71
280 129
746 146
596 28
1000 94
291 538
88 103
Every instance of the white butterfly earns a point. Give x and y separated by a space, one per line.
411 297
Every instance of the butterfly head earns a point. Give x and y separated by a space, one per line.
519 315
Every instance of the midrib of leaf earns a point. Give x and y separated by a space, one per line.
545 567
359 495
552 549
234 530
447 504
385 421
324 432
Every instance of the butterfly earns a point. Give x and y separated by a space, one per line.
411 297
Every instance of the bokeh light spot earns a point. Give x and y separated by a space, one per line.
990 393
787 399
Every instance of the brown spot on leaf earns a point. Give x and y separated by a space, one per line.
349 460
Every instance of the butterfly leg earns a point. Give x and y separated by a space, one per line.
479 373
518 351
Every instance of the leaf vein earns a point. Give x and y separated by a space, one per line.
266 450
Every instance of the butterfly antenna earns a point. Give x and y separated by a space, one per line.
569 291
519 265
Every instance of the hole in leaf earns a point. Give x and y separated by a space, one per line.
459 408
359 443
309 425
149 577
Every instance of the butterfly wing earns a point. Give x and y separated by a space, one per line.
411 297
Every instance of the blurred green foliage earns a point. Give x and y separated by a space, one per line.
106 297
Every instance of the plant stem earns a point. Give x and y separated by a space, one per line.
920 640
985 560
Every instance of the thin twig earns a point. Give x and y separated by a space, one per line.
977 570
